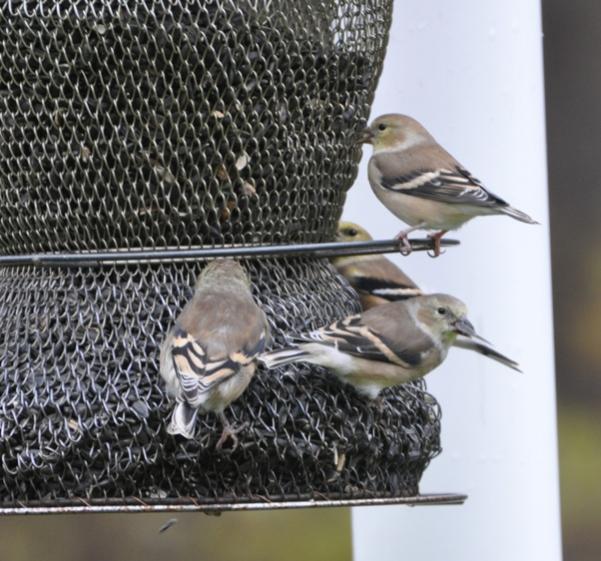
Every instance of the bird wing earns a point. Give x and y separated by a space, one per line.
354 337
380 277
431 173
213 340
455 186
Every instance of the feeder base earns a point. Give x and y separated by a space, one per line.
82 506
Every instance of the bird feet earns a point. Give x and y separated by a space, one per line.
436 251
404 243
229 433
405 247
379 403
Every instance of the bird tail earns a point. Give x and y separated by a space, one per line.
471 345
281 357
518 215
183 420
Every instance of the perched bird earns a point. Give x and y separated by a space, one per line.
209 356
422 184
385 346
378 280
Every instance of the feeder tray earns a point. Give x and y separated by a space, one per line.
134 139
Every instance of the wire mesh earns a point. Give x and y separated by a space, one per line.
182 124
83 412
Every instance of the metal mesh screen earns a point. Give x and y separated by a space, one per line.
158 124
162 123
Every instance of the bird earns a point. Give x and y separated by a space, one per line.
388 345
378 280
422 184
209 356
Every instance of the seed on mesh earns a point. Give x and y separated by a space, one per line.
248 188
85 153
74 425
222 173
226 212
164 173
341 461
242 161
141 408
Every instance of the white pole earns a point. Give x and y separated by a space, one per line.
471 71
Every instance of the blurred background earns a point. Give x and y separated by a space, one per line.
573 87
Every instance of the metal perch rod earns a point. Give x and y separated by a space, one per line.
329 249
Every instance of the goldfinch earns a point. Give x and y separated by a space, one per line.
422 184
378 280
388 345
209 356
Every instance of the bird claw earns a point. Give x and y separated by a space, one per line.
230 433
436 250
405 247
379 403
434 253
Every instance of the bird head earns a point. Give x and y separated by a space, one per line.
445 316
351 232
222 272
394 132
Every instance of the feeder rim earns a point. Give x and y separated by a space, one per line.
133 505
127 256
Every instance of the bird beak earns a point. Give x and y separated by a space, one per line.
365 136
464 327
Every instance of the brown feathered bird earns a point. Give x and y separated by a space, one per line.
378 280
387 345
209 356
422 184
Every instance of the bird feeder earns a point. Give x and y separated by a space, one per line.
134 136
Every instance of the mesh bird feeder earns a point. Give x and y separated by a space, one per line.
135 128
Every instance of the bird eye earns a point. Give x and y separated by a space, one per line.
382 127
442 311
351 232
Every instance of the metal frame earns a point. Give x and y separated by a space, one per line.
83 506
